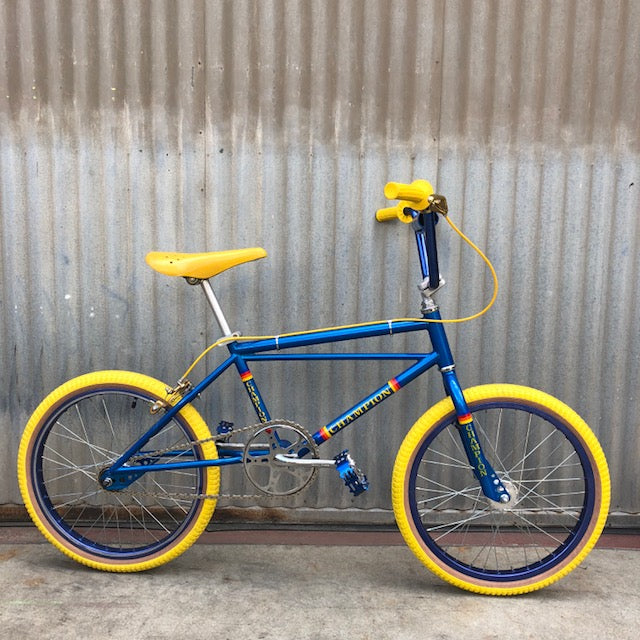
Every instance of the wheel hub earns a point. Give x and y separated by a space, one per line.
511 502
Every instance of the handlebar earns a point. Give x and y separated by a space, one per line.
414 196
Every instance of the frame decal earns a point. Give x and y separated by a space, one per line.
254 396
353 414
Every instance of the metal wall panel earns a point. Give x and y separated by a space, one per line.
127 127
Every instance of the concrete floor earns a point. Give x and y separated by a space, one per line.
304 591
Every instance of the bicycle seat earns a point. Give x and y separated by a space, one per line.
201 265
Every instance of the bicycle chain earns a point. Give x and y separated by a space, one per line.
216 438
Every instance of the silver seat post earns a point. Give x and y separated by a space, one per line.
215 307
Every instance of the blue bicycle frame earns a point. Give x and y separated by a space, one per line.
122 475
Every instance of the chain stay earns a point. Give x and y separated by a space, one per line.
216 438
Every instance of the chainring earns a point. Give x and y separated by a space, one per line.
274 477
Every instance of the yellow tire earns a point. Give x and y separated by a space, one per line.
82 427
549 461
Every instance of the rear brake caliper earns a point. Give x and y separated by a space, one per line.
173 395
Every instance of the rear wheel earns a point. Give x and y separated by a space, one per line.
79 430
550 463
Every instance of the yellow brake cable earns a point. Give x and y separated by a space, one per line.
238 338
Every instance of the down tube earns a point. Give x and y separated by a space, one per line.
374 399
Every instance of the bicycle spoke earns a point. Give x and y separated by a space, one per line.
107 453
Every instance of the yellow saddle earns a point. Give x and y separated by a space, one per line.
201 265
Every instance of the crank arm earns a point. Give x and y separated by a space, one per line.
292 460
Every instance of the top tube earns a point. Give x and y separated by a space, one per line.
322 336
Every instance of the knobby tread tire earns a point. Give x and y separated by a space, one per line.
444 411
40 419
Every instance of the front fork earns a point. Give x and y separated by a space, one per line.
489 480
491 485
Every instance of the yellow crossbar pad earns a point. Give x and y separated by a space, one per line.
201 265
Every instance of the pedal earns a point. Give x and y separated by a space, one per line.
223 429
353 477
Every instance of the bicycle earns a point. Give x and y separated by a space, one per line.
498 489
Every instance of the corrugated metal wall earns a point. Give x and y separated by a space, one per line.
127 127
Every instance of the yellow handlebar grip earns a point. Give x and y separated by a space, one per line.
417 193
390 213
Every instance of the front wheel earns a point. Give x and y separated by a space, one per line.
549 461
80 429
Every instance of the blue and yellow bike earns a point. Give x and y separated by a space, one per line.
498 489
